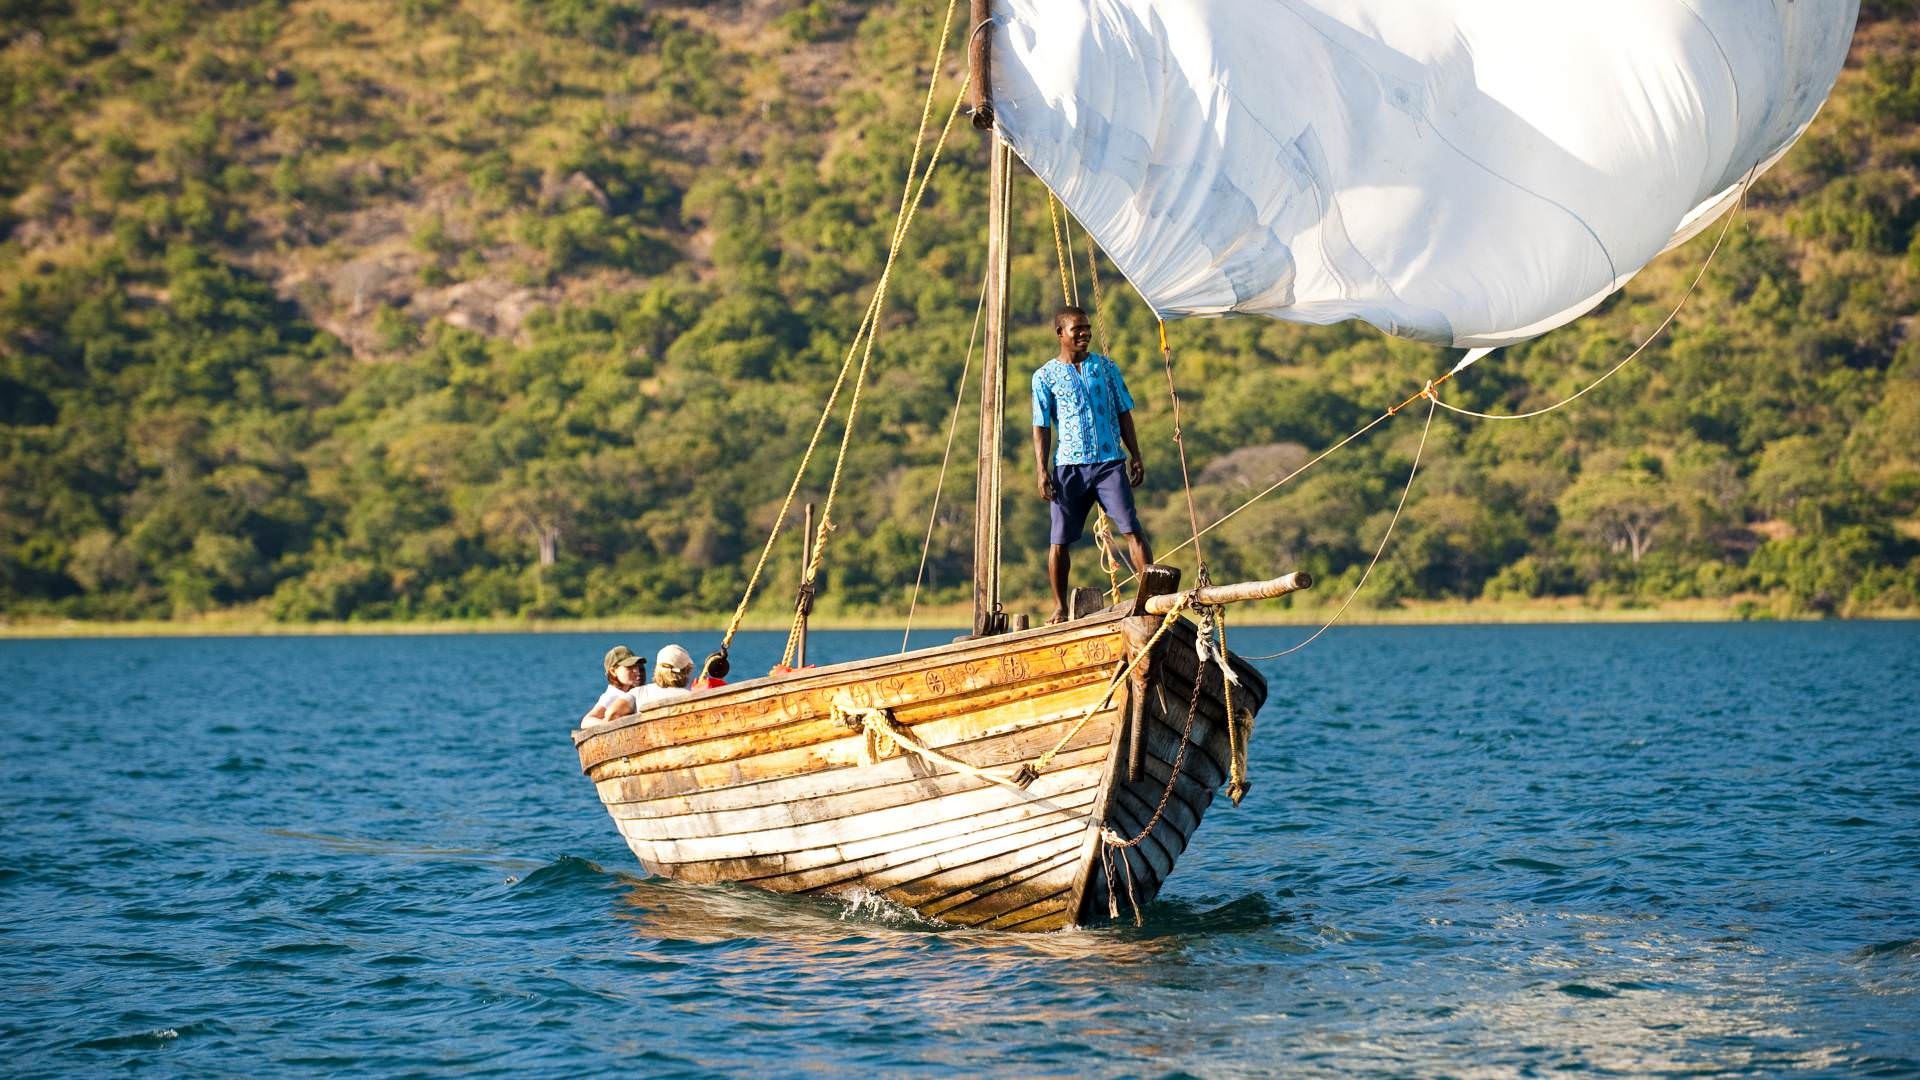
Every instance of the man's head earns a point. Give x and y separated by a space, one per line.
623 668
1075 331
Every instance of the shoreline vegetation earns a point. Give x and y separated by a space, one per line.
339 317
932 621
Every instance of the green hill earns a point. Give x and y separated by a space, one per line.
329 310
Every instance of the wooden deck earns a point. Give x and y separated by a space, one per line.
762 782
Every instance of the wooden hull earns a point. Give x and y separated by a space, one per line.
766 783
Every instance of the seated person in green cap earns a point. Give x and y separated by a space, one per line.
673 670
625 671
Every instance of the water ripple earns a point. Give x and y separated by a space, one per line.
1634 850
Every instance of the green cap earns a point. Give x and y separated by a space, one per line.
620 656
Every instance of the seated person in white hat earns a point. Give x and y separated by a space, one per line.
625 671
672 672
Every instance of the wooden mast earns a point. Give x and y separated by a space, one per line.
987 618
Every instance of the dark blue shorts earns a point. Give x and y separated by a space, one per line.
1077 487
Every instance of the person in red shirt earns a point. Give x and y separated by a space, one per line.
713 673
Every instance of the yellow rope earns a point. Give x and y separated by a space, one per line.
1073 268
1109 558
1093 275
1739 204
1236 753
1059 247
882 734
1180 443
1378 551
902 220
866 359
953 422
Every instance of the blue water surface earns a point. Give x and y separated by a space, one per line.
1488 850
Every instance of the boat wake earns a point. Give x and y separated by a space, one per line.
563 873
863 905
1243 914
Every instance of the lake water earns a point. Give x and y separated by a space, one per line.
1489 850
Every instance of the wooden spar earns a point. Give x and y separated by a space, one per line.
806 588
1232 594
980 64
993 396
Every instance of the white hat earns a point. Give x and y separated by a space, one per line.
675 657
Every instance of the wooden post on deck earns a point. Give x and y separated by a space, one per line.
806 588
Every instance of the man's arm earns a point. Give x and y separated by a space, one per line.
1136 468
1042 453
1043 435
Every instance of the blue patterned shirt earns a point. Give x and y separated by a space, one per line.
1083 408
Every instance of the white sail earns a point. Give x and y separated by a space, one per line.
1470 172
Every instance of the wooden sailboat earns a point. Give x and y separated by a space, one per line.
1024 780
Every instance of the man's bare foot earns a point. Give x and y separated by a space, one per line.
1059 616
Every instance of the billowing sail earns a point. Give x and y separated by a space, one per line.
1470 172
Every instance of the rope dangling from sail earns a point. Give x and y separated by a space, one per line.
1433 402
946 455
1109 556
1740 203
1069 275
911 195
1201 577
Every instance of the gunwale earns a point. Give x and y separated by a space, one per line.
759 783
775 687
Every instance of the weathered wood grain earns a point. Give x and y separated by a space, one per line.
760 783
881 872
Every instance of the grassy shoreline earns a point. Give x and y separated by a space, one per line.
1424 613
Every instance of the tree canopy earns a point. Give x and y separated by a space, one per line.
466 308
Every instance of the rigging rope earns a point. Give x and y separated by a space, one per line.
953 422
883 734
1200 577
1432 402
1739 204
903 219
1073 267
866 361
1109 557
1093 276
1434 384
1068 295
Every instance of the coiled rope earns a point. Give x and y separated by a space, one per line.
882 734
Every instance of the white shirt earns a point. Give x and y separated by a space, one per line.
607 697
646 695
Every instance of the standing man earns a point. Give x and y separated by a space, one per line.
1084 398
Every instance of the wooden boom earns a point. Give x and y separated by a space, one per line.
1232 594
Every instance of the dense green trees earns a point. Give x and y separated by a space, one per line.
467 309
